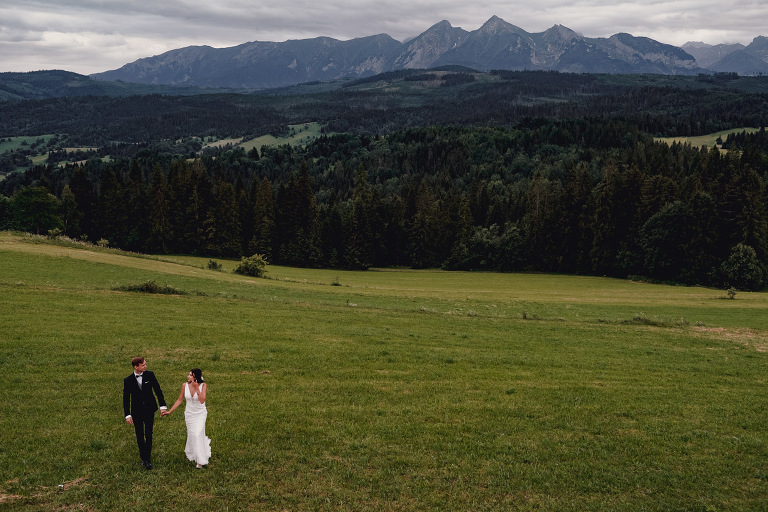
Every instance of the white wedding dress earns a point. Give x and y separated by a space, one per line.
198 447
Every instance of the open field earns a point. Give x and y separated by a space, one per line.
709 140
43 159
11 144
300 134
381 390
220 143
41 150
14 143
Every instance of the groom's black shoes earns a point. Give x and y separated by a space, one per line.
146 464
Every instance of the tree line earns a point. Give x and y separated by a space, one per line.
660 105
581 196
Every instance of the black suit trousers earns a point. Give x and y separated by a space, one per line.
143 424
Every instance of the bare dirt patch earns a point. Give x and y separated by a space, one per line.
6 498
44 491
745 337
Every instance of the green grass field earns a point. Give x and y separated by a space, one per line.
300 134
15 143
381 390
709 140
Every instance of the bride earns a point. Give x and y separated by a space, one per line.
198 447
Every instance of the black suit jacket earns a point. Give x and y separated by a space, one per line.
141 402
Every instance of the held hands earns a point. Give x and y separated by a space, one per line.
165 413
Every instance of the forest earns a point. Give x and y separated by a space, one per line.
516 172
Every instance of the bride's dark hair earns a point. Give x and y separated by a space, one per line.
198 373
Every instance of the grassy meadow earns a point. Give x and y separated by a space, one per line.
709 140
388 390
299 135
15 143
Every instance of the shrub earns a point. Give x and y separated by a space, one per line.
742 270
252 266
150 287
214 265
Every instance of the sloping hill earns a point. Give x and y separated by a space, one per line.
394 390
58 83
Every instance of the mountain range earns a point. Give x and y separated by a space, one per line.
497 45
734 58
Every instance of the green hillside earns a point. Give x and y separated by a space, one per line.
57 83
379 390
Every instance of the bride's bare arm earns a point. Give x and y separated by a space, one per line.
202 392
176 404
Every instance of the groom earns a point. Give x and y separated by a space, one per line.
139 390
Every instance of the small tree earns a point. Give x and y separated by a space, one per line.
742 270
36 210
6 213
252 266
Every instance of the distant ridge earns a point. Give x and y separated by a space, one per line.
59 83
497 45
732 58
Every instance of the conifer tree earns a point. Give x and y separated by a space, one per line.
362 236
424 229
112 212
263 203
300 222
70 214
138 208
85 198
160 229
222 224
462 222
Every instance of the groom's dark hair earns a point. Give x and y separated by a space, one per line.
136 361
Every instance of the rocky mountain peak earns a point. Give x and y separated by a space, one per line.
496 25
560 33
422 51
695 44
495 45
759 47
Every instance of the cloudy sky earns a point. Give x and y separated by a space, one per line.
89 36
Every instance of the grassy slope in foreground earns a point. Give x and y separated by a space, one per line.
397 390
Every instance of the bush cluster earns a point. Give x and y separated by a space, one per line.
252 266
150 287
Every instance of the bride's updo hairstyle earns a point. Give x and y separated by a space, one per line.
198 373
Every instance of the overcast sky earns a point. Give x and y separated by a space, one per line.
89 36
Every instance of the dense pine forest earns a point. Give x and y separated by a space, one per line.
506 172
